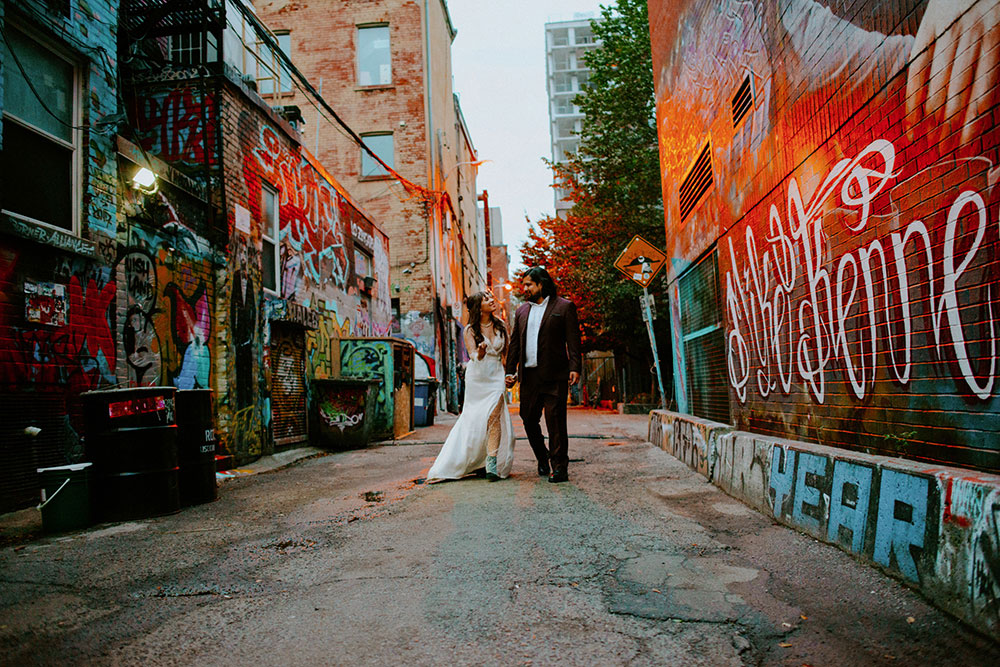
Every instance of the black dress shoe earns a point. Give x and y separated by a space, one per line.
559 476
543 470
479 472
491 477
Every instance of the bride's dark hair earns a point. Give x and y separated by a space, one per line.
474 304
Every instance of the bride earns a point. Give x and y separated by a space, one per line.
483 434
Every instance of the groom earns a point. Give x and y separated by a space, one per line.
545 346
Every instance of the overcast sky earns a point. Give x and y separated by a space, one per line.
498 59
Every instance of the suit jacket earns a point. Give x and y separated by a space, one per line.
558 342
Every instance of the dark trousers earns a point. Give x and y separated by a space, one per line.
550 399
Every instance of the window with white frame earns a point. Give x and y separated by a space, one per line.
380 144
193 48
374 56
364 269
269 263
40 160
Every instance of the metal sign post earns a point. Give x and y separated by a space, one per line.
640 261
648 316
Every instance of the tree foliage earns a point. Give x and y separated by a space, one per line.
614 183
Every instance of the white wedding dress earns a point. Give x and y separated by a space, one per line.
464 451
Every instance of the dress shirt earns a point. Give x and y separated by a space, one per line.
531 333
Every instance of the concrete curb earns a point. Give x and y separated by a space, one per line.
934 527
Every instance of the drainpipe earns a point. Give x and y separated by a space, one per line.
485 198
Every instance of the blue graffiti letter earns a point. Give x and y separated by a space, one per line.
782 469
852 486
806 493
902 514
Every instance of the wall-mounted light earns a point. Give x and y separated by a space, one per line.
145 181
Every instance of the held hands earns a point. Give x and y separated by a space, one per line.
510 380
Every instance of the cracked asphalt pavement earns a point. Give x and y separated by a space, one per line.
348 558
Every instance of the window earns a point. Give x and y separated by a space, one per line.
374 56
271 68
381 145
193 48
40 159
269 246
363 270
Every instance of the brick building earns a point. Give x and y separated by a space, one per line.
58 230
385 66
291 264
825 244
829 183
237 270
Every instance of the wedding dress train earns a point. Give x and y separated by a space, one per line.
484 413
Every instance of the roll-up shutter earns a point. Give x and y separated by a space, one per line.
288 384
703 338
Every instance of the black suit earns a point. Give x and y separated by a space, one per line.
545 387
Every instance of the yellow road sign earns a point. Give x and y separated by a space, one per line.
640 260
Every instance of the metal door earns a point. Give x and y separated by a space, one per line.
288 384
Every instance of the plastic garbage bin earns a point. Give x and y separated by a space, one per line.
424 401
196 446
132 440
65 497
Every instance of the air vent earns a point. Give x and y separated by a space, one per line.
742 101
698 181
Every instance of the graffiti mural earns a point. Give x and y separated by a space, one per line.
243 308
372 359
77 355
178 125
887 515
165 273
342 409
314 250
418 328
853 216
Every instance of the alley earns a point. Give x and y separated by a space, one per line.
348 558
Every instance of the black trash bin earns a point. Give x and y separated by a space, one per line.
424 401
132 440
196 446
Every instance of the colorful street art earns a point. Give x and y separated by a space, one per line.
312 234
178 125
934 527
372 359
165 270
853 214
77 355
342 410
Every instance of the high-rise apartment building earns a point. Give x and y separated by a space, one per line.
566 42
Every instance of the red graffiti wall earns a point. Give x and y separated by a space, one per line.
852 207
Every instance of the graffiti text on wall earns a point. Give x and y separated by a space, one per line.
796 312
179 126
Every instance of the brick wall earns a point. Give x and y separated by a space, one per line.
57 293
427 262
852 212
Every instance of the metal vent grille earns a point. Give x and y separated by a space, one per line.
742 101
698 182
